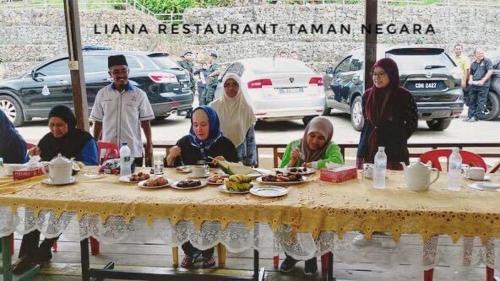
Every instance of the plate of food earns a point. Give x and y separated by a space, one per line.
135 178
189 184
184 169
216 179
239 184
154 183
281 179
268 191
297 170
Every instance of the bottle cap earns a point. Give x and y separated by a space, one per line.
381 148
124 143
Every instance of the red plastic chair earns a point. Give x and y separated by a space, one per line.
111 150
469 158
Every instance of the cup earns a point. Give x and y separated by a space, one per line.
368 170
199 171
476 173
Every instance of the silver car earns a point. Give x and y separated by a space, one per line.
279 88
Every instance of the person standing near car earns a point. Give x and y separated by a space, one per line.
121 109
187 64
201 82
391 117
212 80
464 65
480 73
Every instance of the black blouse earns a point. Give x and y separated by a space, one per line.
190 155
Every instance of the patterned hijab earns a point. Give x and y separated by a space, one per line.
214 130
322 126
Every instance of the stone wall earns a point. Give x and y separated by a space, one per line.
29 36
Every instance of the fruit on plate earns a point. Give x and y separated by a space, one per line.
234 168
77 167
238 183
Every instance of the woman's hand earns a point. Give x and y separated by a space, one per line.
34 151
216 160
173 153
294 159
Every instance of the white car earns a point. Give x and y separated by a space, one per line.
279 88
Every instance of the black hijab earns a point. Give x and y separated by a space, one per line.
71 144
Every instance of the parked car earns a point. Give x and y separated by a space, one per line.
429 74
493 101
34 93
279 88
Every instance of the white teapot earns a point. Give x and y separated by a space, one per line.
60 170
418 176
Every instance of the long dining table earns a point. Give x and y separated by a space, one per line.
111 210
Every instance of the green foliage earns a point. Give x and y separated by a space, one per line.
178 6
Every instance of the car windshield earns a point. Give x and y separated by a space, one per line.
420 62
278 66
164 62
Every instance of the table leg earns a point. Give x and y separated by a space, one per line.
255 264
175 256
6 258
329 276
84 259
221 255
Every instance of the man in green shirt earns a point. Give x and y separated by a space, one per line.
212 80
462 62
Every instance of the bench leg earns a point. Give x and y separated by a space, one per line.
175 256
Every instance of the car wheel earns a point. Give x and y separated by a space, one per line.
439 124
12 109
357 118
307 119
492 107
160 118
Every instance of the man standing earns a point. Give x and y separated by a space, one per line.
463 64
212 80
187 64
121 109
480 74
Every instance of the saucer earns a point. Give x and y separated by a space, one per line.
48 181
486 178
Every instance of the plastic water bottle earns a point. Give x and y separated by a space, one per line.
125 160
379 168
454 170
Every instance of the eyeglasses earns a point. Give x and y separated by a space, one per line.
379 74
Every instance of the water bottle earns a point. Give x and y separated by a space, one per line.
380 164
125 160
454 170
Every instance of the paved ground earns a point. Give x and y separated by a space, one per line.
174 127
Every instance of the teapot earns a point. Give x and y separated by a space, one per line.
418 176
60 170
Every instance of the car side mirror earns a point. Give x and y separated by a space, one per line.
34 75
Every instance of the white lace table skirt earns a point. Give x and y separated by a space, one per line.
237 237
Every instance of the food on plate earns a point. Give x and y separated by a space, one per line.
154 182
139 177
282 177
234 168
238 183
188 183
297 169
216 179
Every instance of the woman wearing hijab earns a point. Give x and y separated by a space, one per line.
237 119
314 150
391 117
12 147
70 142
204 140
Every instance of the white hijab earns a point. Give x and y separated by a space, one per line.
235 114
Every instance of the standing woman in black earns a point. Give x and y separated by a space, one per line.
391 117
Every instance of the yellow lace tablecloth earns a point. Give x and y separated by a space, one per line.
312 207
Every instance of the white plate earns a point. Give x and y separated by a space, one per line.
126 179
184 169
94 176
47 181
203 184
486 178
268 191
309 171
141 184
223 188
285 183
485 185
199 177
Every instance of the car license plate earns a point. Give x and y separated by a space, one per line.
290 90
426 85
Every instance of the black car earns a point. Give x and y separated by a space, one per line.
493 101
34 93
428 73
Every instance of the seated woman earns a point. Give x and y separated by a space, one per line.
237 119
71 142
204 140
314 150
12 147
